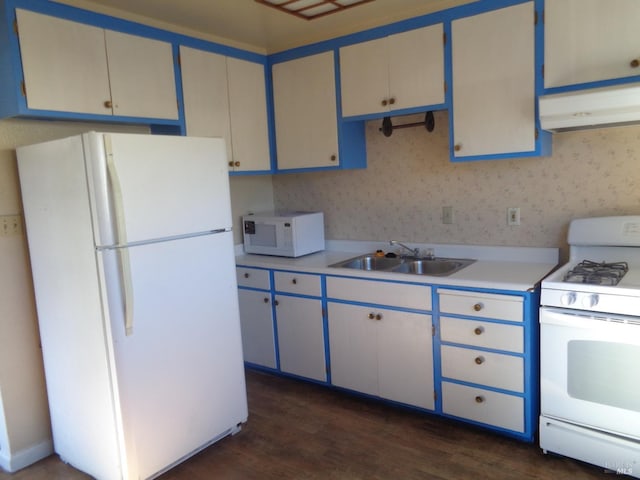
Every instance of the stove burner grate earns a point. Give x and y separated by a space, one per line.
597 273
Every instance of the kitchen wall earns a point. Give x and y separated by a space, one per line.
410 178
24 420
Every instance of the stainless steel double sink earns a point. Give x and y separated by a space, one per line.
436 266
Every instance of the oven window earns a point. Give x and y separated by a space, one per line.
604 373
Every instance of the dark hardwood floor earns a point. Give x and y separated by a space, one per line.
298 430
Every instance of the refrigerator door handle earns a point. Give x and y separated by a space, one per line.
121 238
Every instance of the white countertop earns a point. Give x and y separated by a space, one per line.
502 268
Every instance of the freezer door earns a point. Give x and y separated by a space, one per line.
180 374
153 186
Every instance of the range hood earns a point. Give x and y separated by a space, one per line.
596 107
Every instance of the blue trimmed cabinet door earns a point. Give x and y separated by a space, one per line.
590 40
304 96
398 72
74 67
493 68
226 97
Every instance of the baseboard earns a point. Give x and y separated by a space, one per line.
24 458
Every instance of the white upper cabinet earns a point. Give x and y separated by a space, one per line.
74 67
590 40
494 82
304 97
226 97
397 72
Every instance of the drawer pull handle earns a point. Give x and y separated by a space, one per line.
478 306
266 300
479 399
479 360
246 275
479 330
294 281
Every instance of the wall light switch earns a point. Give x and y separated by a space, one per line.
513 216
447 215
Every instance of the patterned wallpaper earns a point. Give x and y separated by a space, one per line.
409 179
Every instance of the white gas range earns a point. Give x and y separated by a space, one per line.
590 347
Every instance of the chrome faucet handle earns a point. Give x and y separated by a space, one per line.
414 251
430 255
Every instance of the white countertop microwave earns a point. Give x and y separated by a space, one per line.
285 234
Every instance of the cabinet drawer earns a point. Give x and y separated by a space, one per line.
482 334
253 278
484 368
300 283
486 305
484 406
381 293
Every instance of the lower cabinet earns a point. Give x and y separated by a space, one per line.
488 360
301 337
382 352
256 317
472 355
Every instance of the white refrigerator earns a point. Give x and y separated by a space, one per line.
134 274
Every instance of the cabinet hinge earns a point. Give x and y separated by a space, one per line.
23 88
179 60
435 395
15 26
535 17
444 38
542 70
445 87
433 330
328 369
324 313
537 134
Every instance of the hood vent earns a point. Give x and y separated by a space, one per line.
597 107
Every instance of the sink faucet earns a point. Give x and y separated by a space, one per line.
414 251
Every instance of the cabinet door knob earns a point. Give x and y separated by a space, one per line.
265 300
108 104
379 316
479 399
333 157
635 63
372 316
479 360
246 275
384 102
294 281
457 147
231 164
276 303
478 306
392 101
478 330
236 164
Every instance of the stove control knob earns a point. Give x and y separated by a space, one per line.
590 300
568 298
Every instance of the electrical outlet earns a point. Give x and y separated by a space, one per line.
513 216
10 225
447 215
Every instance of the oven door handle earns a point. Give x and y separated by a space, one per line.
583 320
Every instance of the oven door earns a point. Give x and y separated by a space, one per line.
589 369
